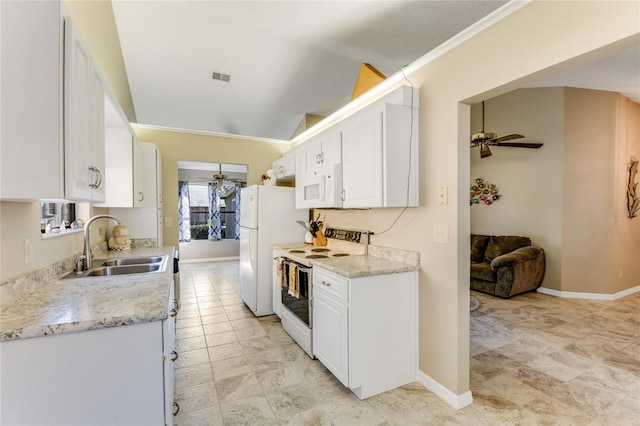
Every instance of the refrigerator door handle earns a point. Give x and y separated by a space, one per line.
252 248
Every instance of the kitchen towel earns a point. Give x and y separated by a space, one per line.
294 281
282 272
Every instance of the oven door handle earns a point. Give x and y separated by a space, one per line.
306 269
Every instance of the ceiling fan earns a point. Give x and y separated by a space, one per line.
485 139
223 179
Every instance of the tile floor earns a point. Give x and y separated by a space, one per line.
536 360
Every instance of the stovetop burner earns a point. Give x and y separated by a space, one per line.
316 256
340 254
296 251
319 250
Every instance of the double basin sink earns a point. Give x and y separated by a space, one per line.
124 266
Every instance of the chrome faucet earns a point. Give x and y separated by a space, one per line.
87 246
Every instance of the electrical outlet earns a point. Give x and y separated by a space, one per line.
100 231
28 250
440 233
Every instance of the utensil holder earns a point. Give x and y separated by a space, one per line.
319 239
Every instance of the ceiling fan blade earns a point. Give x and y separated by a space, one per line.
508 137
520 144
484 150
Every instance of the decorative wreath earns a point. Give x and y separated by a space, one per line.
483 192
633 201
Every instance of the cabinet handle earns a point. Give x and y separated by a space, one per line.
326 284
174 356
173 312
140 196
98 181
176 408
343 195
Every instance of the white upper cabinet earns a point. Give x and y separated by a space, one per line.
320 153
377 148
52 133
380 157
284 168
84 120
124 163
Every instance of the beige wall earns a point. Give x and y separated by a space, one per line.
600 137
589 161
176 145
530 181
626 251
521 50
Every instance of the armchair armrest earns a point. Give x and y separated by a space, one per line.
520 255
519 271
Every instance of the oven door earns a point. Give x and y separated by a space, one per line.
297 291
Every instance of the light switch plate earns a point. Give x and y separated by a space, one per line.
168 222
440 233
28 250
443 195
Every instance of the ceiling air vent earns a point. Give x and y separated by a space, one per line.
220 76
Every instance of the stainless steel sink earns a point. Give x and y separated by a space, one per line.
124 266
132 261
121 270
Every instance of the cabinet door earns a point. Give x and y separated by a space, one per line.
170 356
313 156
158 171
331 148
362 160
278 170
84 120
330 335
96 141
138 174
77 86
119 167
31 159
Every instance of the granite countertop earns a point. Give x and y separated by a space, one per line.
88 303
378 261
363 266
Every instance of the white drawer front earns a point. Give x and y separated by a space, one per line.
331 284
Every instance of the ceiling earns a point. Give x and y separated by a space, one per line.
290 58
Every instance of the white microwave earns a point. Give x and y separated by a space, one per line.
321 190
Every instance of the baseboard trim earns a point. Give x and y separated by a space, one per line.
456 401
210 259
592 296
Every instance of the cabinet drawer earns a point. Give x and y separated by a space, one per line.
328 283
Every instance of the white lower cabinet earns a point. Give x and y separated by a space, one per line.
365 329
109 376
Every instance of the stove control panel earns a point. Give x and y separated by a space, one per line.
347 235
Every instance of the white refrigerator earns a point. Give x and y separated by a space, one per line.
268 216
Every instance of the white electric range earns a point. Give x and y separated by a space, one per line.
297 279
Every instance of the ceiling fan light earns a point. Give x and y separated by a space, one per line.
483 136
484 150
